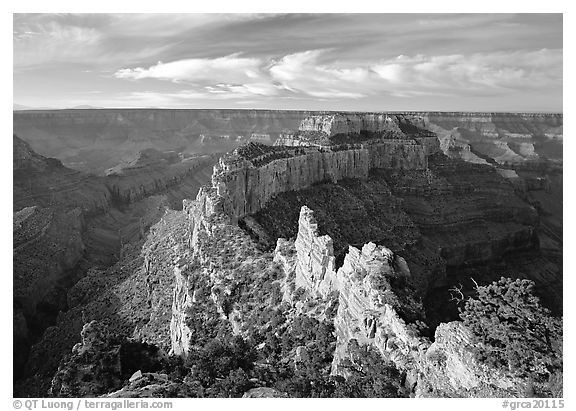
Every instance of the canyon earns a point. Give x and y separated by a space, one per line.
68 223
360 223
83 139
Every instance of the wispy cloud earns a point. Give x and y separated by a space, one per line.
488 73
237 76
358 60
53 42
233 69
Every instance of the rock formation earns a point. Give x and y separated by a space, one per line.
377 307
315 254
101 362
253 174
333 124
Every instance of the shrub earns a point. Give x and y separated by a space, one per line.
513 330
369 375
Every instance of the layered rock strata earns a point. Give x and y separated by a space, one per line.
450 216
196 273
153 172
498 137
95 140
45 182
247 188
350 123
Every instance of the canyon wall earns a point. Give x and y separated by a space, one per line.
248 188
498 137
46 182
133 182
42 181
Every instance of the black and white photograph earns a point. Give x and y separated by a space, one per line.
287 205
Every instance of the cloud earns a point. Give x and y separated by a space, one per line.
312 74
480 72
53 42
46 41
304 72
227 69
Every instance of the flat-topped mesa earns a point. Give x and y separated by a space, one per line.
341 129
332 124
251 175
254 173
355 123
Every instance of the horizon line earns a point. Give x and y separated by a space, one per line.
288 110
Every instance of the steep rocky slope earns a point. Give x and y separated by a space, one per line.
377 307
43 181
151 172
68 224
47 246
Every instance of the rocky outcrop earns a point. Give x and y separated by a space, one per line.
378 307
253 174
101 362
94 367
315 261
180 333
447 217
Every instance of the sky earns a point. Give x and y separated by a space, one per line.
355 62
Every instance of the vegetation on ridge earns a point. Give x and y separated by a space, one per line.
513 331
